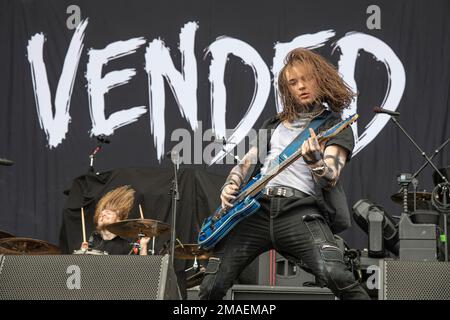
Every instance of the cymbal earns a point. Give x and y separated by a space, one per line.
132 227
4 234
421 199
27 246
190 252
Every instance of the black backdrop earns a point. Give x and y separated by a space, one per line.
31 192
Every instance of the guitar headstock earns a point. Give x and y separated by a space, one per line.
334 130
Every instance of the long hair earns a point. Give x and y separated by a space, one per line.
119 200
332 88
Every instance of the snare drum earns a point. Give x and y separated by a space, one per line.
91 252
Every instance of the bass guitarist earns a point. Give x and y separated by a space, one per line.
304 204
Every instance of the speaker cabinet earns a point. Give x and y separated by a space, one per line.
414 280
87 277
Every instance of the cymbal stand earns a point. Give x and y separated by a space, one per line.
152 251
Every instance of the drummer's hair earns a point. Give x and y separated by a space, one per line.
119 200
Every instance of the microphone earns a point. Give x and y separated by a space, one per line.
174 156
103 139
391 113
170 153
6 162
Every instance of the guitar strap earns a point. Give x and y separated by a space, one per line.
298 140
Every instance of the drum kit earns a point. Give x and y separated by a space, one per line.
137 229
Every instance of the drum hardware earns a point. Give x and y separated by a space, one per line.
137 244
92 252
442 190
83 227
192 252
152 250
196 279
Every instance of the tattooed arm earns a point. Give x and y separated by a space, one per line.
333 161
236 177
326 165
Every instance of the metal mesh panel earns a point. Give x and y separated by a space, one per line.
416 280
101 277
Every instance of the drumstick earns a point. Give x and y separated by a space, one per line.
142 214
83 225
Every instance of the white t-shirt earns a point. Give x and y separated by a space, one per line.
297 175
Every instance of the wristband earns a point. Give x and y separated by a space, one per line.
316 157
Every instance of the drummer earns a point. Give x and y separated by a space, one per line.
113 207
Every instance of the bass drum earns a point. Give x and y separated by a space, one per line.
91 252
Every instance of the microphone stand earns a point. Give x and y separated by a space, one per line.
175 198
418 148
101 140
92 157
436 152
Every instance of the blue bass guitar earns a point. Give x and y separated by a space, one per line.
218 225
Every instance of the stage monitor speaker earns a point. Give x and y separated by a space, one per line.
87 277
258 292
414 280
242 292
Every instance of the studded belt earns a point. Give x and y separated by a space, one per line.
285 192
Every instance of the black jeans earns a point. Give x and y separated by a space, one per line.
296 229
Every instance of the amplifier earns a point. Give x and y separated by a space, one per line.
87 277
